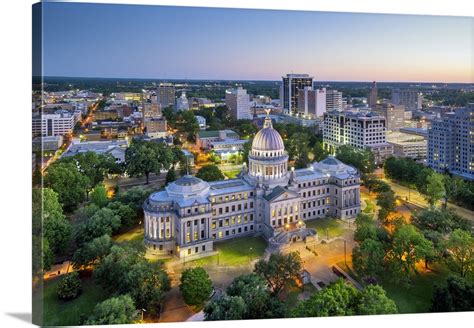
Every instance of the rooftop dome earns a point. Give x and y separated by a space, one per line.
187 186
268 139
331 165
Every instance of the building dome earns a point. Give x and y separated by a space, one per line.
268 139
187 186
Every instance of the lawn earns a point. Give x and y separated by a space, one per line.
234 252
60 313
334 227
231 174
134 235
369 208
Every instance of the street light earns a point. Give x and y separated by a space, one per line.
143 310
345 254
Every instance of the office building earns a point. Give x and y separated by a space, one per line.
312 103
151 109
363 130
155 128
408 145
60 123
267 199
411 99
372 96
333 100
238 102
451 143
165 95
394 115
291 83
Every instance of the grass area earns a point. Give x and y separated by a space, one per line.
370 207
417 297
333 227
231 174
234 252
133 235
61 313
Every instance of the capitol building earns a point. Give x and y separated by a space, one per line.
267 199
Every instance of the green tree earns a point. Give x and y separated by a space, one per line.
210 173
460 247
134 197
196 286
297 147
115 310
440 220
69 287
170 176
368 259
93 252
98 195
386 202
127 213
338 299
225 308
145 157
374 300
362 159
408 247
435 188
188 124
280 270
68 183
246 150
319 152
257 297
456 295
103 222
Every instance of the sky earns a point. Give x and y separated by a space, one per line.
157 42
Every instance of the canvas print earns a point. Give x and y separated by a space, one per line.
200 164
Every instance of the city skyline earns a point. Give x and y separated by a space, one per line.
345 47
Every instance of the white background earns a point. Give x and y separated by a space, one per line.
15 154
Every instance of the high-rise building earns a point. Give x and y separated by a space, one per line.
155 128
182 103
291 83
411 99
311 102
238 102
333 100
151 109
451 143
60 123
372 96
394 115
363 130
165 95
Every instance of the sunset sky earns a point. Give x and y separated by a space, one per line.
94 40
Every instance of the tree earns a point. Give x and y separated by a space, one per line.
440 220
374 300
103 222
69 287
368 259
460 247
99 195
115 310
386 202
339 298
93 252
134 197
319 152
68 183
297 147
434 188
362 159
145 157
127 213
246 150
280 270
456 295
170 176
257 297
408 247
196 286
188 124
210 173
225 308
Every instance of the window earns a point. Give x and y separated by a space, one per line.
203 248
220 234
188 224
202 233
189 251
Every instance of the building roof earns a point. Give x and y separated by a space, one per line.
215 134
268 138
276 192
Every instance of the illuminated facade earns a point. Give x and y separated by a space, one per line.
266 199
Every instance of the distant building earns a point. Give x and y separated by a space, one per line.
394 115
357 129
205 138
155 128
372 96
238 102
291 83
104 115
165 95
60 123
333 100
411 99
124 111
116 148
50 143
182 103
201 121
312 103
151 109
451 143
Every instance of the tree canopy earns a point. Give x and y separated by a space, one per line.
115 310
196 286
279 270
210 173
